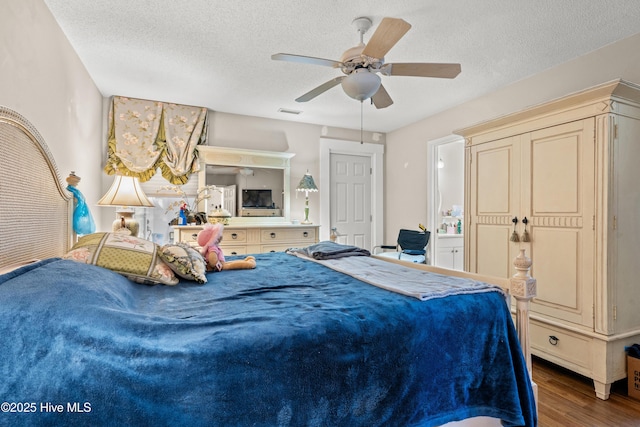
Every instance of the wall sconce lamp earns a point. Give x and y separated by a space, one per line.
306 185
125 192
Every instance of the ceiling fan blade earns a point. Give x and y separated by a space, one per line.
445 71
306 60
320 89
386 36
381 98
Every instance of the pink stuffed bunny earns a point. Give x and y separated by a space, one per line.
209 239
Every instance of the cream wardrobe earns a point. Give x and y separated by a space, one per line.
569 173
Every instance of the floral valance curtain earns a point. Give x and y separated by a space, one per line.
147 135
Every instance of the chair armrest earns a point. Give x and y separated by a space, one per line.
382 247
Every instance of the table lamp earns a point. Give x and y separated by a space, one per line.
125 192
306 185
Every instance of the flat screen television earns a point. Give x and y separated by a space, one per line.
257 199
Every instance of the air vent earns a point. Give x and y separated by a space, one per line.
287 111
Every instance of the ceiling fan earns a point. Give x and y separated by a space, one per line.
361 63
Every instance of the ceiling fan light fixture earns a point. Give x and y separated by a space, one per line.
361 84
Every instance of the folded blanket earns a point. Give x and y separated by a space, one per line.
406 280
329 250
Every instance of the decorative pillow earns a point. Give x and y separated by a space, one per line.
185 261
135 258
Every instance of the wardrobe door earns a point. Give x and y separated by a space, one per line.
494 200
558 198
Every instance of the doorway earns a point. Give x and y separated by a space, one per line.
333 199
446 201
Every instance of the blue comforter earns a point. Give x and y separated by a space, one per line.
291 343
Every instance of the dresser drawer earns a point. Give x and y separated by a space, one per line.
570 347
233 250
276 248
244 240
234 236
282 235
189 236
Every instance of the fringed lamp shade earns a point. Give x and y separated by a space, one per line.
125 192
306 184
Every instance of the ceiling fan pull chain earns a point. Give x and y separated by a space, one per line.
361 121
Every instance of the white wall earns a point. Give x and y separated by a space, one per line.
42 78
406 152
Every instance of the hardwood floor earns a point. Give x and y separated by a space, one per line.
568 400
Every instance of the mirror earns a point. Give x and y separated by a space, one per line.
254 192
254 184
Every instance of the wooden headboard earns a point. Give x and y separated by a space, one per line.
35 208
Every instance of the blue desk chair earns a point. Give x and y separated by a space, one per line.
411 246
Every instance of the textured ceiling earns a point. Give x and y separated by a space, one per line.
216 53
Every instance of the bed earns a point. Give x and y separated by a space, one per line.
294 342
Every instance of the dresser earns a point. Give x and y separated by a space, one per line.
254 238
568 172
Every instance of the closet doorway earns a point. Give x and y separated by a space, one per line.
446 201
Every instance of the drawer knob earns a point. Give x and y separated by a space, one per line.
234 235
305 234
273 235
234 253
553 340
194 236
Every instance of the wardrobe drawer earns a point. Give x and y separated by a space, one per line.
562 344
299 235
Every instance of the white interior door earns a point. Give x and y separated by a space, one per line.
230 199
350 181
